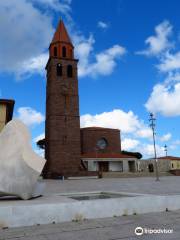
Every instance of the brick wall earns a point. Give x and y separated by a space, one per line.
90 136
62 120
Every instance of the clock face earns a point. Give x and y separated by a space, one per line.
102 143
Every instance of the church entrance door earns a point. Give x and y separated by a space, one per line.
103 166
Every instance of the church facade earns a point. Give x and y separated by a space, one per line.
69 150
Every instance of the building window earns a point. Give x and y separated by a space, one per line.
55 51
172 165
59 69
64 52
69 71
102 143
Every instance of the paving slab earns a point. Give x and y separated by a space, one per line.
100 229
160 195
168 185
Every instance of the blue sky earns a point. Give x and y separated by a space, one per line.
129 64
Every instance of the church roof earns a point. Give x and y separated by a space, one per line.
106 155
99 128
169 158
61 34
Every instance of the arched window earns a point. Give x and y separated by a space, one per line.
55 51
59 69
64 52
102 143
69 71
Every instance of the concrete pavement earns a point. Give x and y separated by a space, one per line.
115 228
169 185
108 228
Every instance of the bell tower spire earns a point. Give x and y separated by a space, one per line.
62 134
61 45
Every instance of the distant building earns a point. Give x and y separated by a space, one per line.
6 111
165 164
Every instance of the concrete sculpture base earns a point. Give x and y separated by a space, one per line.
20 166
61 208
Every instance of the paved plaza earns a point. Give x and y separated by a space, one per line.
169 185
100 229
108 228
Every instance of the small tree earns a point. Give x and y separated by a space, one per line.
41 143
138 155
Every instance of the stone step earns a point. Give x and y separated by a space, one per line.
131 175
82 177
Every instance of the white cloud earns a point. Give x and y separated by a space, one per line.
103 25
135 134
160 42
172 78
165 97
33 65
144 132
165 137
23 48
94 64
39 151
169 62
62 6
129 144
30 116
26 34
104 63
174 145
91 63
165 100
147 150
39 137
58 6
127 122
83 48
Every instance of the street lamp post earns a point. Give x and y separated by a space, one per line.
152 125
165 149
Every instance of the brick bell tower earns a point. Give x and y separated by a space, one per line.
62 149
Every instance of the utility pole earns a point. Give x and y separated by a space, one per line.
165 149
152 125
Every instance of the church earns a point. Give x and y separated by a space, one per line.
69 149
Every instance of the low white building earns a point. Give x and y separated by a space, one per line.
110 162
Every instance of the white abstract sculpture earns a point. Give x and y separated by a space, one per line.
20 166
